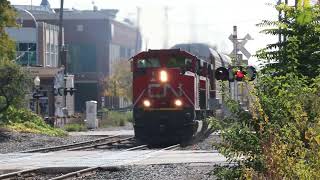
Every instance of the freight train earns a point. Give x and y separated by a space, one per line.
174 91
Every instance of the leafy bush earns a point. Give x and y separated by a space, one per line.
23 120
75 127
279 137
114 118
14 84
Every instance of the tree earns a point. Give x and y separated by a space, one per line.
119 83
14 84
279 138
300 51
7 19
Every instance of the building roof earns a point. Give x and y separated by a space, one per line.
43 13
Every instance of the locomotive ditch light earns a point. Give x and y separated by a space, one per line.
163 76
178 102
146 103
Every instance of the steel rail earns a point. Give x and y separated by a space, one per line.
93 170
173 147
136 148
81 173
17 174
101 144
66 147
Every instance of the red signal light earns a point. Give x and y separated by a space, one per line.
239 74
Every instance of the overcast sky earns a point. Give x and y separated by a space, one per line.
208 21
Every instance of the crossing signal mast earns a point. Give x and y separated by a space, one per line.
239 71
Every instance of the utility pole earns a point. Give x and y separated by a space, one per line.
146 44
166 28
60 43
62 61
138 29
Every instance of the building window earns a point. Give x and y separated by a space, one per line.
80 28
126 52
83 58
51 51
123 52
26 54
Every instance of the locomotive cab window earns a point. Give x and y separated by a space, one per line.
175 62
188 63
148 63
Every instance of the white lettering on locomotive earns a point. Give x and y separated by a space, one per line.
164 89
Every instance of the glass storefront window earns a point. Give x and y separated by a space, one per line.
23 46
26 54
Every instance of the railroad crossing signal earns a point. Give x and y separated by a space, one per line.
64 91
239 45
238 73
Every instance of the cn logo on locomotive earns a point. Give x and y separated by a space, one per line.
161 91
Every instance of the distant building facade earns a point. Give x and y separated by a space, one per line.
37 52
94 40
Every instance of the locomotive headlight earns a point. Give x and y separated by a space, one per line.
163 76
146 103
178 102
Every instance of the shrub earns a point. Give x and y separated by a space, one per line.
23 120
75 127
115 118
279 137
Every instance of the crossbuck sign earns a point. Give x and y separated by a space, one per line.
240 45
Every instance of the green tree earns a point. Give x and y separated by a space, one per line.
300 51
119 83
14 84
7 19
279 138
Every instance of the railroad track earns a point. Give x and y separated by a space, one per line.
104 145
32 173
19 174
82 145
93 170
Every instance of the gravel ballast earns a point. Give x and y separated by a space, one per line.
11 142
15 142
159 172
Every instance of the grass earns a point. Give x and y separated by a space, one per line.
74 127
114 118
30 127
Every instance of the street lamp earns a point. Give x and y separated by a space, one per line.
36 27
37 95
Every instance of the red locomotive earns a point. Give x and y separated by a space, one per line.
172 91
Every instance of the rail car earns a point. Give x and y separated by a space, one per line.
173 93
